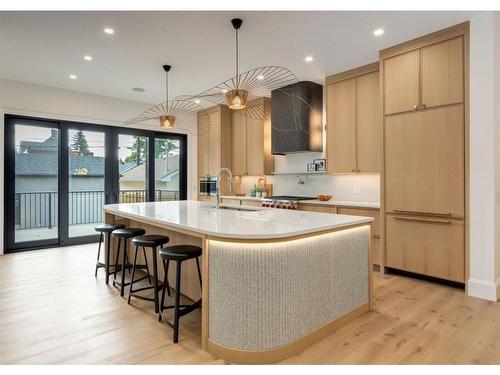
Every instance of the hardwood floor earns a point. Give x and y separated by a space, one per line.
53 311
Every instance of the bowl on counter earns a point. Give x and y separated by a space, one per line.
324 197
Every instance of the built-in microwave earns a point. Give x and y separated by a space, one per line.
208 186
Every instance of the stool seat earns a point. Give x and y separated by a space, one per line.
108 228
128 232
150 240
180 252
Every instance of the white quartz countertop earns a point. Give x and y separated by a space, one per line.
331 202
259 223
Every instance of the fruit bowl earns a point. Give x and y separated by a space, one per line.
324 197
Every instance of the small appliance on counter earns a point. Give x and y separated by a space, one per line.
288 202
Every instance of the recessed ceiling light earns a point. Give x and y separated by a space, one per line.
224 91
260 77
309 58
197 101
87 58
109 30
378 32
72 76
138 89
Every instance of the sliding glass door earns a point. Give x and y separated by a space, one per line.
33 187
59 175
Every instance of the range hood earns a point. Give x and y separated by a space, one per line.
297 118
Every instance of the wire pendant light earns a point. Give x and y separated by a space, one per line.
237 98
166 112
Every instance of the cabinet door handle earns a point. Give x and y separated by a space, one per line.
415 107
353 170
423 106
423 213
427 221
376 236
359 170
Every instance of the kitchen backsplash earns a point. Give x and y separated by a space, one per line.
344 187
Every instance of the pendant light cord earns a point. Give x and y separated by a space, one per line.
237 58
166 90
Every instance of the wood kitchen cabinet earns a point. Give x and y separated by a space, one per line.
425 124
329 209
353 121
426 245
424 162
251 138
214 140
426 77
376 251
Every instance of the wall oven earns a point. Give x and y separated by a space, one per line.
208 186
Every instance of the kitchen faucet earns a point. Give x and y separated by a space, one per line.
219 175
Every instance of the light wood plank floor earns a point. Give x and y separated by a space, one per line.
53 311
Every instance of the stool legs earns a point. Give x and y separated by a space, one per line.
177 301
108 251
155 280
98 255
117 260
124 265
133 274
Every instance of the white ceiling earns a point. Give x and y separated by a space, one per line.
45 47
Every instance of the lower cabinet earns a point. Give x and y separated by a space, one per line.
376 251
426 245
318 208
206 198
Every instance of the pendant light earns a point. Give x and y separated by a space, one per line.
237 97
167 121
166 112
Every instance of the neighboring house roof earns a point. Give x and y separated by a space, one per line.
163 169
46 165
47 146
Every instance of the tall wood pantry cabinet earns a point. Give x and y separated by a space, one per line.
424 137
353 121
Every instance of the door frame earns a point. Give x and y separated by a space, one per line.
111 185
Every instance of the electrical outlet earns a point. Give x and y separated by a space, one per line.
356 189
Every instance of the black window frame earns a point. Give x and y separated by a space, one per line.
111 188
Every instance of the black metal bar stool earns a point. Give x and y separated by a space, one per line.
124 234
105 230
178 254
151 241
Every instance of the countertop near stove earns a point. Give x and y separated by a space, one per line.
373 205
257 223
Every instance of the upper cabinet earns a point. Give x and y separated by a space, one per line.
401 83
423 78
353 121
442 69
214 140
251 138
341 126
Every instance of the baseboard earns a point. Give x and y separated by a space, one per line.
484 289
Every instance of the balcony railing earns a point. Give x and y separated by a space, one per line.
40 209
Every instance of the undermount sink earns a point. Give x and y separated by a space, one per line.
236 208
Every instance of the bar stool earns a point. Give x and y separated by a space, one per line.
105 230
178 254
125 234
151 241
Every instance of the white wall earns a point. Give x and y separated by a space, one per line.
40 101
482 248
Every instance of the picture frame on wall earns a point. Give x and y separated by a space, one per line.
320 164
311 167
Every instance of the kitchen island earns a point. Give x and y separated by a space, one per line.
274 281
